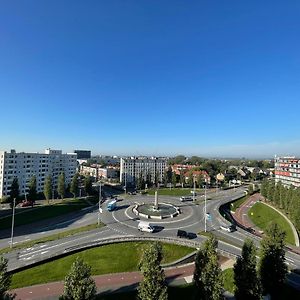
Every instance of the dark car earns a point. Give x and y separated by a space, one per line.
182 234
191 235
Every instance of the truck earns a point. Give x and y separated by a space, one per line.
112 205
145 226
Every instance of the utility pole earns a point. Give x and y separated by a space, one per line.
205 207
125 181
194 192
99 203
13 224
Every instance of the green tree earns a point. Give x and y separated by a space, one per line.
79 285
32 193
5 280
88 185
207 275
174 179
14 190
61 185
245 274
273 269
74 187
48 188
191 179
153 286
141 182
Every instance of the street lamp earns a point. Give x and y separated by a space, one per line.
194 192
12 224
205 207
99 203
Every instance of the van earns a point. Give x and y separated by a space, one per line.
112 205
145 226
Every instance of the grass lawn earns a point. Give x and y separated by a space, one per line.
123 257
236 204
44 212
228 280
52 237
262 216
174 192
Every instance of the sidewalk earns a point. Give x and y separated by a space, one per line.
104 283
241 217
110 283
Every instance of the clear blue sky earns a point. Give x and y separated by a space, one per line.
151 77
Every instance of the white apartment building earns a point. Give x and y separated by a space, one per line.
287 171
25 165
133 167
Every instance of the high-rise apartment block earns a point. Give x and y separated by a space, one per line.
287 171
148 167
25 165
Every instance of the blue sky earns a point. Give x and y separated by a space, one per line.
213 78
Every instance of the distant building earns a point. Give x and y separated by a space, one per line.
83 154
287 171
26 165
197 174
131 168
98 172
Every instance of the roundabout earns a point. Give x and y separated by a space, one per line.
156 210
167 215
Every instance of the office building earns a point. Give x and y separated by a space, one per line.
149 167
83 154
287 171
26 165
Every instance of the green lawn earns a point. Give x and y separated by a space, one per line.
174 192
52 237
44 212
262 216
228 280
236 204
123 257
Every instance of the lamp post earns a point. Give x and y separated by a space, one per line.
205 207
125 181
99 203
194 191
13 224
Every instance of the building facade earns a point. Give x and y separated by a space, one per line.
133 168
287 171
97 172
83 154
26 165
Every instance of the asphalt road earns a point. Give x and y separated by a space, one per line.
122 222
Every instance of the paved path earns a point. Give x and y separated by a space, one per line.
241 214
104 283
241 217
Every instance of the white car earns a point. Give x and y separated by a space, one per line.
230 228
